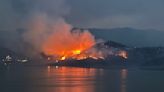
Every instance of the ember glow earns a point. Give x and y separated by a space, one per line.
123 54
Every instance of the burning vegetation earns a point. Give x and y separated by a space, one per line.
60 41
65 43
49 33
77 45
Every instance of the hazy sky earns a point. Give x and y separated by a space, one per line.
91 13
117 13
140 14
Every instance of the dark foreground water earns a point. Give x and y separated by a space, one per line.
68 79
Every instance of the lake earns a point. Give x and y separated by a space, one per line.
72 79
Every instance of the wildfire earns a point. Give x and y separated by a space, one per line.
80 55
76 52
60 41
66 43
63 58
123 54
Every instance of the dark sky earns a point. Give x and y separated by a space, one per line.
147 14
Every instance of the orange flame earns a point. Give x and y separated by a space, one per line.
123 54
65 43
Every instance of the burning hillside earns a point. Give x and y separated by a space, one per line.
60 41
49 32
98 52
70 44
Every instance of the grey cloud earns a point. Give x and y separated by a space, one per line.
87 13
14 13
147 13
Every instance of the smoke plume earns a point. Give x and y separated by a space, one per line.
45 28
25 23
48 32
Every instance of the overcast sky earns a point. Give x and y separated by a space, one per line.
117 13
147 14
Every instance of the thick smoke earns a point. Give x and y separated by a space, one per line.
48 32
65 41
45 28
26 23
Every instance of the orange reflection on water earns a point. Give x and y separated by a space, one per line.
124 74
68 79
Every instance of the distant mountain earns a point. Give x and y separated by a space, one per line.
131 37
144 56
114 44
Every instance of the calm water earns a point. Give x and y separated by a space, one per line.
67 79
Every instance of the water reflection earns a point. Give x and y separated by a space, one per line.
66 79
69 79
123 77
